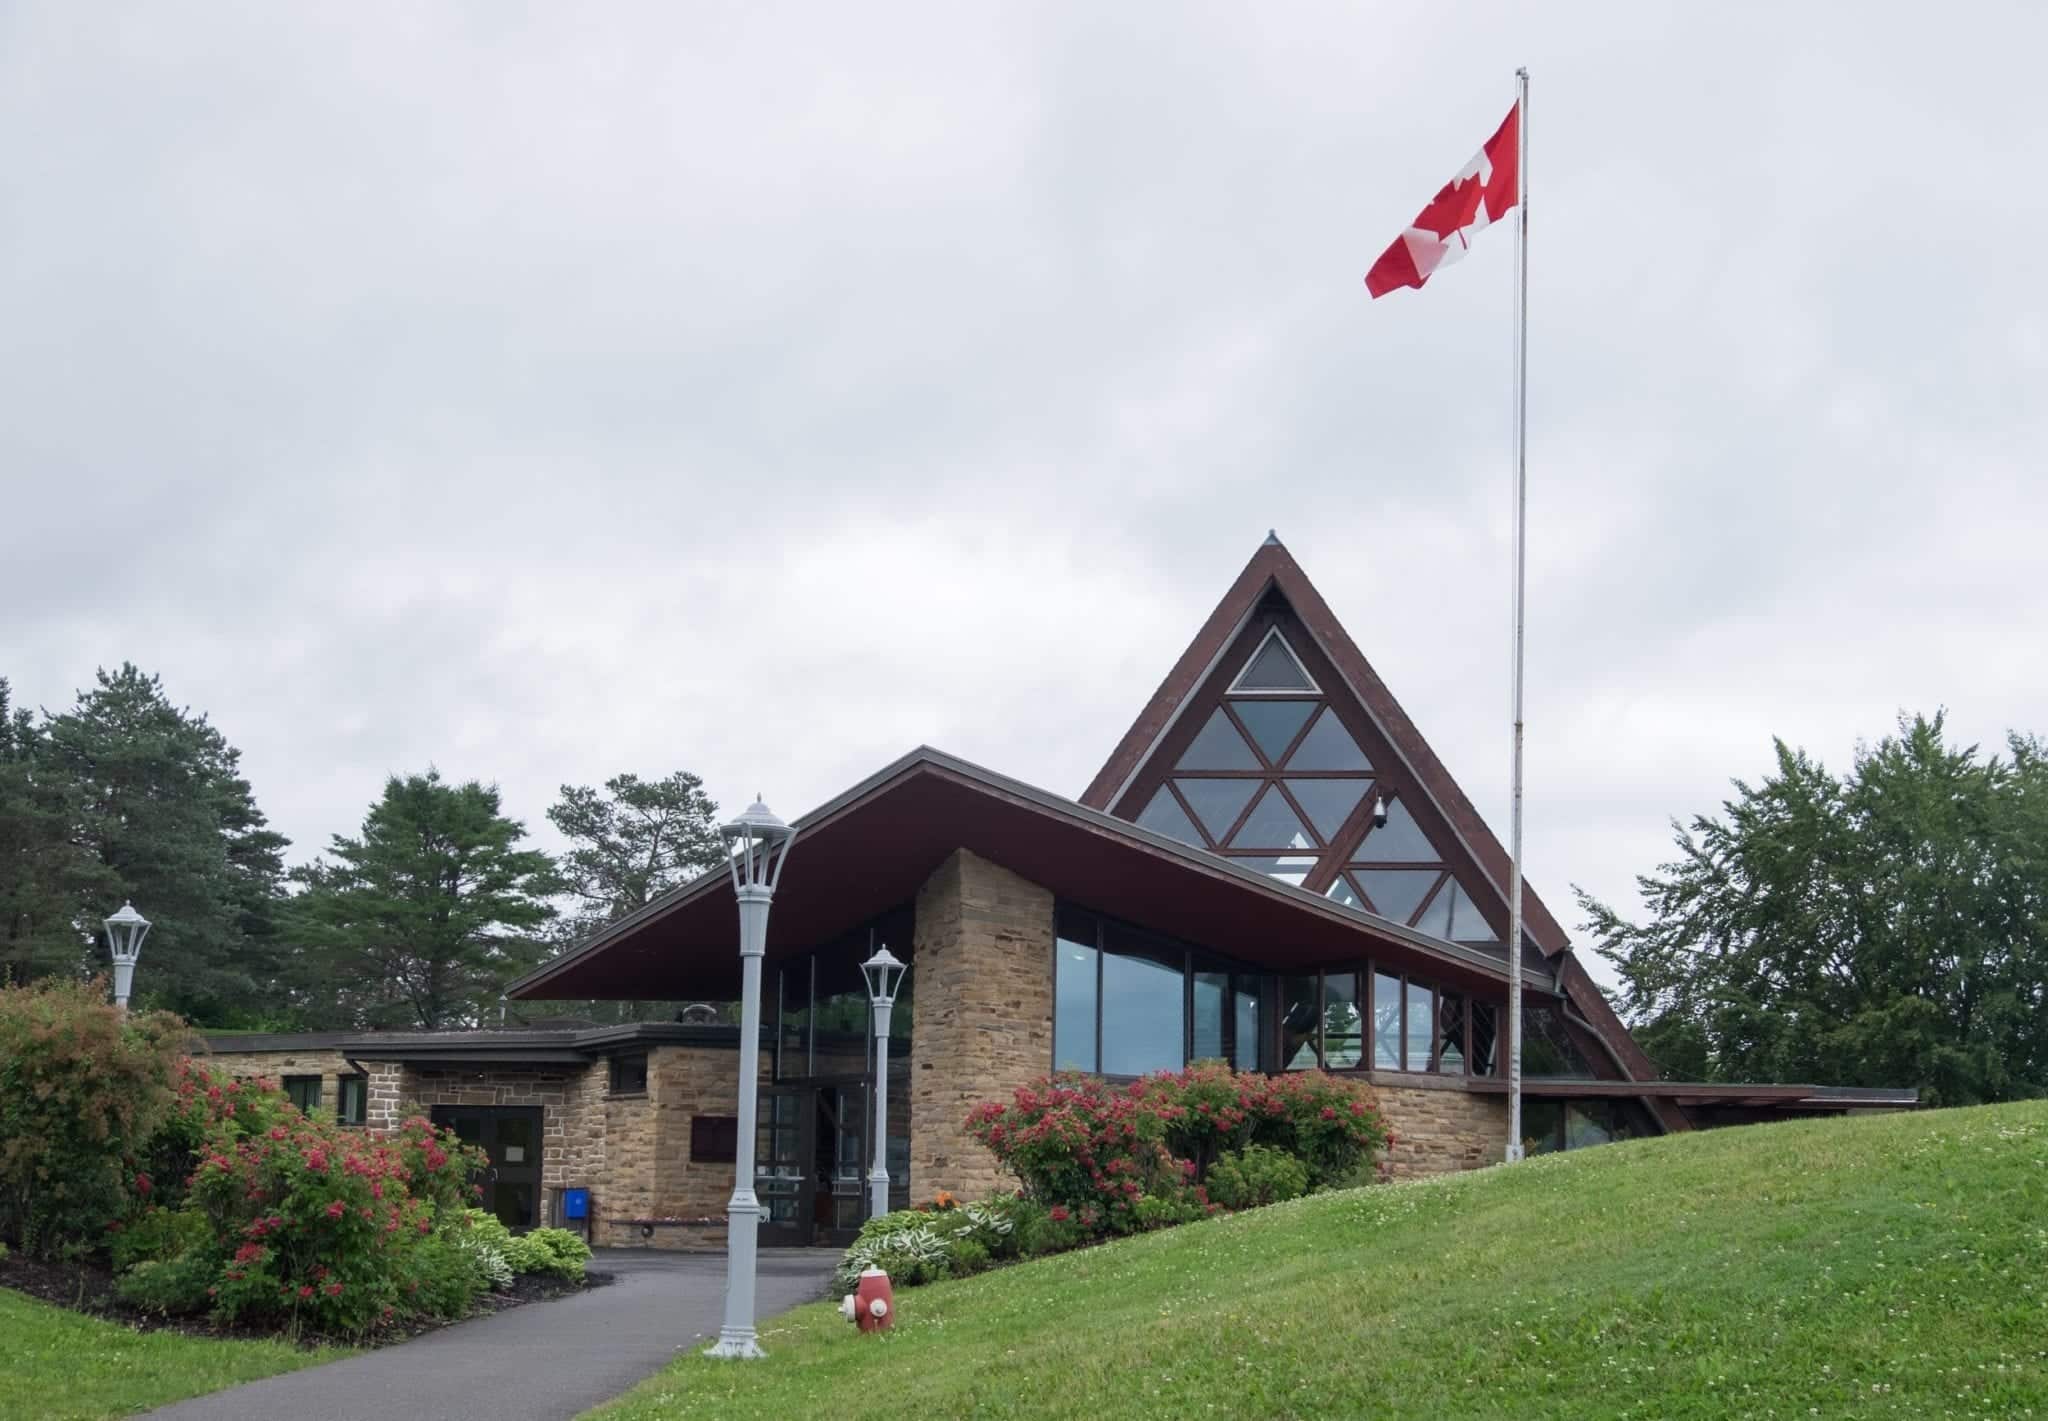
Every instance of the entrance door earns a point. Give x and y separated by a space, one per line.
840 1158
783 1179
510 1135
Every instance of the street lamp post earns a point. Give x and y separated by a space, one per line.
759 847
884 975
125 932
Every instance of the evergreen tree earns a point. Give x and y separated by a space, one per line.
161 804
53 889
424 918
630 842
1886 928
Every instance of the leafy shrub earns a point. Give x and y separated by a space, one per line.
82 1089
965 1257
1163 1211
442 1275
1077 1141
556 1251
154 1234
1332 1125
174 1286
491 1264
1256 1175
908 1245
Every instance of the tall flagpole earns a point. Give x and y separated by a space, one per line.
1514 1150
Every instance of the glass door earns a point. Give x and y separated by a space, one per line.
783 1180
842 1162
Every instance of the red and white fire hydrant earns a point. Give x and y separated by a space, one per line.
871 1306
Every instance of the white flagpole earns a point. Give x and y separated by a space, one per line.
1514 1150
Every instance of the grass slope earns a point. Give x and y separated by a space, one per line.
1887 1266
57 1365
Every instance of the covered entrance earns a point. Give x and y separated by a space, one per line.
811 1162
510 1135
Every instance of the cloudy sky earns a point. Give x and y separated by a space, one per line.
543 392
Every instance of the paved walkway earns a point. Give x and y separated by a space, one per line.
540 1362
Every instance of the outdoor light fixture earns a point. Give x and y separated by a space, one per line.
884 975
125 932
759 846
1379 811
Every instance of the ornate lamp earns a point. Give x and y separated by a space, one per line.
759 848
884 975
125 932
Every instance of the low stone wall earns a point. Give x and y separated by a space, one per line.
1438 1129
328 1064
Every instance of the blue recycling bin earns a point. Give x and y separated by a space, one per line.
575 1203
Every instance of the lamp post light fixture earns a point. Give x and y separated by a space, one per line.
759 846
125 932
884 975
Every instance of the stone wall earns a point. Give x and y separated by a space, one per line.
1440 1128
983 1024
325 1062
564 1093
659 1191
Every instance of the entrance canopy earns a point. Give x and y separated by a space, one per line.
871 849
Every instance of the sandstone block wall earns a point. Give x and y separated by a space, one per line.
328 1064
984 942
1440 1130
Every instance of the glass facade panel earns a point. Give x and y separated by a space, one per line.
1144 1013
1073 1020
1327 803
1450 1033
1249 1022
1217 803
1165 816
1548 1048
1421 1032
1211 994
1273 724
1343 1024
1273 825
1386 1022
1300 1023
1399 840
1288 868
1485 1033
1542 1126
1396 892
1436 918
1342 892
1587 1125
1328 746
1218 747
1466 923
1273 668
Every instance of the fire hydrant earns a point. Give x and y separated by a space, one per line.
871 1306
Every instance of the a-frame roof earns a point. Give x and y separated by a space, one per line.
1237 642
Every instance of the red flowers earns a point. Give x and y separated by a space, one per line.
142 1185
336 1208
333 1290
1058 1213
316 1160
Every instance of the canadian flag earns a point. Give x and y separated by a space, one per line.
1477 197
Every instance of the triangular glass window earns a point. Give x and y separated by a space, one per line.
1165 816
1273 668
1396 892
1328 746
1274 724
1290 868
1328 803
1218 747
1466 923
1342 892
1273 825
1399 840
1436 918
1217 803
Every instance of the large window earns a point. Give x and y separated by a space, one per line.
1225 1025
352 1099
1126 1002
1328 1021
824 1021
303 1091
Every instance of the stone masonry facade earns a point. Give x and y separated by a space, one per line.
328 1064
1441 1128
984 943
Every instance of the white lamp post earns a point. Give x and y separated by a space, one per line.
884 975
125 932
760 846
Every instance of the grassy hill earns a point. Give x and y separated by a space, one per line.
1888 1266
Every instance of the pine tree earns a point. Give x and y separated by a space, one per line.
51 883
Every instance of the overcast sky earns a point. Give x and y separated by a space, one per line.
545 392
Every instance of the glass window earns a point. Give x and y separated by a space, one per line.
1217 803
1273 667
1272 825
1288 868
1466 923
1548 1048
1249 1023
1342 892
1386 1022
1218 747
1211 992
303 1091
629 1074
1328 746
1273 724
1542 1126
1399 840
1165 816
1436 918
1396 892
1343 1024
1328 803
1421 1034
1074 984
1485 1032
1587 1124
1450 1033
1144 1014
352 1103
1301 1020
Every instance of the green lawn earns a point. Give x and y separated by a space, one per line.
57 1365
1888 1266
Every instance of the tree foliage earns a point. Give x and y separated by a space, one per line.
1887 927
51 882
423 918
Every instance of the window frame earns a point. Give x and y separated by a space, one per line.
613 1090
360 1116
286 1083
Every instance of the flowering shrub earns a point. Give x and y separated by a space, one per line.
1256 1175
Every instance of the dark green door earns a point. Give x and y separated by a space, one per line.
511 1136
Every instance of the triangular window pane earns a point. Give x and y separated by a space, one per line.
1273 667
1219 747
1274 724
1165 816
1290 868
1327 803
1273 825
1396 892
1436 918
1399 840
1328 746
1217 803
1342 892
1466 923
